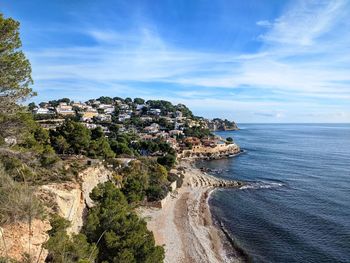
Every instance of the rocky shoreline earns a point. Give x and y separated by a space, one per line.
185 224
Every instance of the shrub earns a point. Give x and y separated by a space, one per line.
64 248
168 160
123 237
17 201
156 192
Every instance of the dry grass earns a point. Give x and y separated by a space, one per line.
17 201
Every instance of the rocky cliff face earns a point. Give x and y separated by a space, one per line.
222 125
217 152
16 240
70 200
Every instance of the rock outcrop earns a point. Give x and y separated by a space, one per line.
217 152
70 200
16 240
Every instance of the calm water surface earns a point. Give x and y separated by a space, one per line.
296 207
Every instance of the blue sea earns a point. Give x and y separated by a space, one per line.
296 204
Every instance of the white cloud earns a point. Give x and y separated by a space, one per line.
305 21
304 55
264 23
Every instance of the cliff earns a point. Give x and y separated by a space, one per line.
15 240
217 152
69 199
222 125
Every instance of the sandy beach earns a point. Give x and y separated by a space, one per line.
184 224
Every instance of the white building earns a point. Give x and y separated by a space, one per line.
155 111
42 111
140 106
64 109
109 110
123 117
153 128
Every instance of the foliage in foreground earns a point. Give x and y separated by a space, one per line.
144 178
121 236
64 248
15 69
17 201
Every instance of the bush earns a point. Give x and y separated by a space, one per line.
123 237
156 192
64 248
48 157
17 201
168 161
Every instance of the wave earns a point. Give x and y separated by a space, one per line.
261 185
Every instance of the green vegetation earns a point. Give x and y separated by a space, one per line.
197 132
120 235
15 69
66 249
145 178
74 138
168 160
31 156
139 101
105 100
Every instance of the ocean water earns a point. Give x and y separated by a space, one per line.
296 205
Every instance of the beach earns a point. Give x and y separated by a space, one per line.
184 224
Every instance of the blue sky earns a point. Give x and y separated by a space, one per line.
249 61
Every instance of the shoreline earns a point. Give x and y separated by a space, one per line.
185 224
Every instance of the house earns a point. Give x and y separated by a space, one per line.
162 135
147 137
89 114
146 118
209 142
124 106
192 140
176 133
104 117
79 105
65 109
155 111
123 117
178 114
140 106
106 108
42 111
178 125
109 110
192 123
153 128
90 125
172 142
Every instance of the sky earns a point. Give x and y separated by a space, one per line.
252 61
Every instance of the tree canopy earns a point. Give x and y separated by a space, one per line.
15 69
123 237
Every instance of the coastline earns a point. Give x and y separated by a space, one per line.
185 224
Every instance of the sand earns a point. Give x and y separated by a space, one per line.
184 225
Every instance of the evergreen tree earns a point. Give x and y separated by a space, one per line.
15 69
122 236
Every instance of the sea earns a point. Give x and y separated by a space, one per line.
295 205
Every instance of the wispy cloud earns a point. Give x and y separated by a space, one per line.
303 58
305 21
